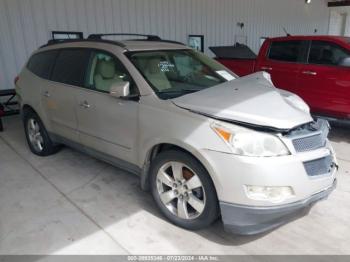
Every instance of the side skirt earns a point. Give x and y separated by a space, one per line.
114 161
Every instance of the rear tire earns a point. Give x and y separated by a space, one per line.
38 139
183 190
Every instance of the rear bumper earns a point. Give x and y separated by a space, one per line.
249 220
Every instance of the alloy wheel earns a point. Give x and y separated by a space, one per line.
180 190
34 134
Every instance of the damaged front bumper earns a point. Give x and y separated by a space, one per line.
250 220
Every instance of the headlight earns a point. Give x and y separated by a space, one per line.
246 142
297 102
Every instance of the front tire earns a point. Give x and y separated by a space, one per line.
37 137
183 190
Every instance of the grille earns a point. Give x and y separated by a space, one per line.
319 167
310 137
310 143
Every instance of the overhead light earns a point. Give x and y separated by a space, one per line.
308 1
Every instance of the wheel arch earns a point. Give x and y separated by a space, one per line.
162 147
26 107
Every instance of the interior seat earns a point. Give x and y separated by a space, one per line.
105 75
154 74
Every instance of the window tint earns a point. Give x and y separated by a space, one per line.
288 51
71 66
41 64
326 53
105 70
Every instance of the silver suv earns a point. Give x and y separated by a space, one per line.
204 142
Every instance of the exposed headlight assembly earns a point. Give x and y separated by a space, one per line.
247 142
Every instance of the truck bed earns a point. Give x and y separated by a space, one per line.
239 58
241 67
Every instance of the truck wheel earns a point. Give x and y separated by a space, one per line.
183 190
37 137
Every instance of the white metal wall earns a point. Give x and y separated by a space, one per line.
339 22
26 24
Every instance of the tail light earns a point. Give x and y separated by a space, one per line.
16 80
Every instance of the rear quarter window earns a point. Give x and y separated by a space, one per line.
41 64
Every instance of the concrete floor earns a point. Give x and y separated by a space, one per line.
70 203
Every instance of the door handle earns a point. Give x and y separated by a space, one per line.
266 68
311 73
85 104
46 94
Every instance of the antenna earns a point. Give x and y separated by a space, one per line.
284 29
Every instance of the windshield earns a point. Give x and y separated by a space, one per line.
175 73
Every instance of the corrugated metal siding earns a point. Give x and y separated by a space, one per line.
26 24
339 22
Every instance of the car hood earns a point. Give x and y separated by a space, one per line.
252 100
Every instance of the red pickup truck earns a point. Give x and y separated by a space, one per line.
317 68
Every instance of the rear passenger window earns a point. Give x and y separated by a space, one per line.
71 66
288 51
41 64
326 53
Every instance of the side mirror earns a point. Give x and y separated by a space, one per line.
345 62
120 89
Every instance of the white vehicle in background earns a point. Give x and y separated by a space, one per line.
205 142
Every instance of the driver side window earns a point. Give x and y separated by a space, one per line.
105 70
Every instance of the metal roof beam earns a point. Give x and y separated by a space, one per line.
339 3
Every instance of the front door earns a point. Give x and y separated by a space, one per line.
107 124
283 63
325 80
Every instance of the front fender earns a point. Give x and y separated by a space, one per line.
200 155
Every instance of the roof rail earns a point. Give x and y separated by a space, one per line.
63 41
98 38
149 37
160 40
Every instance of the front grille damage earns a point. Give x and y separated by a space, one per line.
309 137
319 167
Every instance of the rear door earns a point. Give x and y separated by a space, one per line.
325 80
282 61
41 65
60 93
